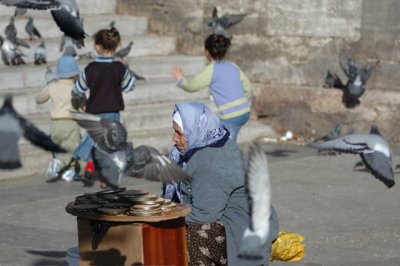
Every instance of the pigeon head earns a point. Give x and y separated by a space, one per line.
130 43
374 130
118 135
30 20
7 101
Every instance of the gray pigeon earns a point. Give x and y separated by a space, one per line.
374 151
31 29
50 77
124 51
11 54
40 54
219 25
68 41
70 51
357 78
10 30
12 127
32 4
68 19
114 157
259 186
333 134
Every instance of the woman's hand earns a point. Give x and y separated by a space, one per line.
177 72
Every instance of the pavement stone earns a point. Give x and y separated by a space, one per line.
347 217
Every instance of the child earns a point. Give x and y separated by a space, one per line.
106 79
230 88
64 130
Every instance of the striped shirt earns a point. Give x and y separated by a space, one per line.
106 79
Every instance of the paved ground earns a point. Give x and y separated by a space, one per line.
347 217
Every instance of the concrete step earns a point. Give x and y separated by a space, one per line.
35 160
29 75
126 25
85 7
144 45
151 91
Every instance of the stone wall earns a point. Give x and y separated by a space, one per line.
291 43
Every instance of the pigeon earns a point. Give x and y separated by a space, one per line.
31 29
133 73
32 4
114 156
373 149
49 76
10 53
10 29
357 78
40 54
124 51
220 24
67 18
12 127
332 135
70 51
259 186
68 41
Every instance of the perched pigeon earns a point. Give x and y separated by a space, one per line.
50 77
114 157
68 20
32 4
68 41
357 78
332 135
12 127
219 25
40 54
10 30
124 51
10 53
259 187
133 73
31 29
374 151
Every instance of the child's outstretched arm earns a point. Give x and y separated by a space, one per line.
199 81
43 96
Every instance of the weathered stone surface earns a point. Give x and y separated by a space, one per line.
314 111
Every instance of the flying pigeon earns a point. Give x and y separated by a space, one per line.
259 187
357 78
40 54
124 51
31 29
114 157
32 4
50 77
219 25
374 151
68 20
12 127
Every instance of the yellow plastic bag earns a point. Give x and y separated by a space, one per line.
288 247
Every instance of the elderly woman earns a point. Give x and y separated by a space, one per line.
216 193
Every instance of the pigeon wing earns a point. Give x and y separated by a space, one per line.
259 186
228 21
380 166
366 71
9 155
107 168
149 164
96 127
348 66
353 143
38 137
32 4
